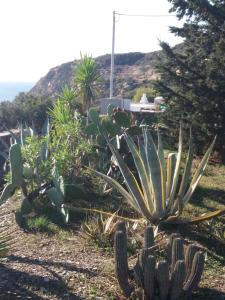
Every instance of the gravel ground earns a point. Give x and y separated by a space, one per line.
64 267
53 267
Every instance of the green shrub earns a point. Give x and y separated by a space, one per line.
42 224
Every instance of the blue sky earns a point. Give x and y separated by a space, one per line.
37 35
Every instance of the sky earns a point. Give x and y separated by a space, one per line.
37 35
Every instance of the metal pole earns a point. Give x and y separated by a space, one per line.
112 58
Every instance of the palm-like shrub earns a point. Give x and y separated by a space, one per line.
158 194
86 79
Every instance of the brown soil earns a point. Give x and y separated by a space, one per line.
64 267
53 267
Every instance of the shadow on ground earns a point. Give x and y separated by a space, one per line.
206 293
216 195
64 265
17 284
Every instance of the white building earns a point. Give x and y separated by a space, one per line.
126 104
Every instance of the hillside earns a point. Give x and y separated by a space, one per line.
131 71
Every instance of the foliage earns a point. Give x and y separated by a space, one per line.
68 95
87 78
192 80
155 192
68 145
150 92
116 122
35 169
41 164
57 194
16 172
101 229
60 112
25 108
42 224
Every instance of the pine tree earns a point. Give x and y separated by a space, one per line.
193 76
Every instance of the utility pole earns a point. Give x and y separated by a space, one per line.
112 57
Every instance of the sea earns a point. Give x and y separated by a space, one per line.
9 90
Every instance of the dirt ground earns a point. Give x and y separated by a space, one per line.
64 267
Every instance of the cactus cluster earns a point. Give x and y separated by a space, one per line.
114 125
169 279
115 122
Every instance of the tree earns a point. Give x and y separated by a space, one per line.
193 74
24 108
87 77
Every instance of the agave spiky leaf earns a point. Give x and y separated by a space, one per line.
207 216
163 169
176 173
157 195
187 169
142 172
119 188
154 170
110 223
7 192
185 178
131 182
171 163
198 174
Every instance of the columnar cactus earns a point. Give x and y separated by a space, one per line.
121 262
148 237
168 279
162 277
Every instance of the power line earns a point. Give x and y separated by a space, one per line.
148 16
113 39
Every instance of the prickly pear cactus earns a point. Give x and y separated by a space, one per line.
16 168
169 279
56 195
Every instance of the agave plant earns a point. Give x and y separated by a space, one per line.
100 228
158 194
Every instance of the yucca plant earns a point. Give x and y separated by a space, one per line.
87 77
158 194
60 113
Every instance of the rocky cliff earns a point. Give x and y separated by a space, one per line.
131 71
